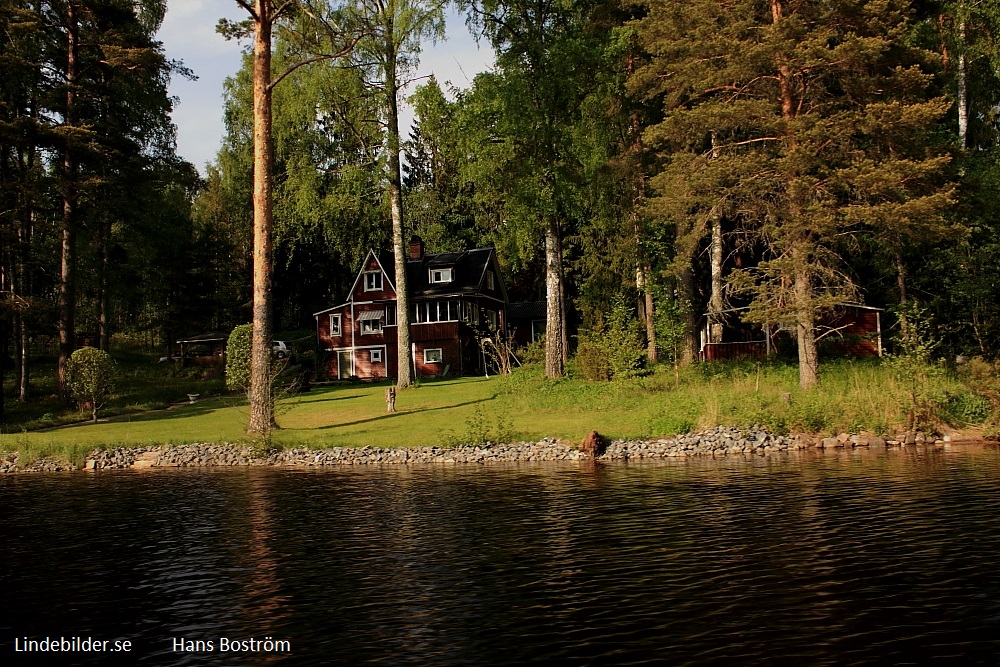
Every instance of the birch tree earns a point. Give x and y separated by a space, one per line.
389 55
545 60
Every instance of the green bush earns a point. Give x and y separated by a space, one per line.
592 360
914 365
238 351
533 352
964 408
810 415
612 350
90 376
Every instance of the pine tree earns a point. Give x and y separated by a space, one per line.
806 125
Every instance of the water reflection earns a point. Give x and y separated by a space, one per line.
854 557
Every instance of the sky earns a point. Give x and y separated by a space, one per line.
188 35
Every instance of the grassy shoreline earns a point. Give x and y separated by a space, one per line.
854 396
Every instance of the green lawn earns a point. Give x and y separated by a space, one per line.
435 413
853 396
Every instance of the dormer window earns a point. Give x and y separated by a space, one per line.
373 281
441 275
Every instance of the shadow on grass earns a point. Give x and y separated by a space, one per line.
181 411
319 396
204 406
390 415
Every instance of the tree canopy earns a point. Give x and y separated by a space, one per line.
643 167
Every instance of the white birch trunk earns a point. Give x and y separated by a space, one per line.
716 302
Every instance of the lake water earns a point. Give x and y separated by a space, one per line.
854 558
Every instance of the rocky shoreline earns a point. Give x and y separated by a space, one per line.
718 441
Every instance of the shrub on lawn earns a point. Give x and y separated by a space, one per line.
612 349
238 351
90 376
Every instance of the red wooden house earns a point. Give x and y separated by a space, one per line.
453 298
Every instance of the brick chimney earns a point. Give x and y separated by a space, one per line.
416 248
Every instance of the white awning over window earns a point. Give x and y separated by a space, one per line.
371 315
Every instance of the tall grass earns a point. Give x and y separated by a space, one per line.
853 395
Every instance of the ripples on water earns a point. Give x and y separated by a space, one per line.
867 558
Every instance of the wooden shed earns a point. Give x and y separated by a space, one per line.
207 349
851 330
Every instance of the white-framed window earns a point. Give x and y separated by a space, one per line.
390 314
376 356
436 311
371 327
373 281
426 312
433 355
491 281
491 318
470 312
335 325
441 275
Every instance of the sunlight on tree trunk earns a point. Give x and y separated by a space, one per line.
715 302
554 323
261 397
404 352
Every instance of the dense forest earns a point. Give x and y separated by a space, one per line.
639 166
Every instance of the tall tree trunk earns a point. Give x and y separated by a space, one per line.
23 273
15 329
554 323
805 320
688 352
643 271
963 91
784 71
103 334
715 301
801 279
3 355
808 354
5 288
904 322
563 310
644 307
404 353
24 368
650 318
67 272
900 276
261 394
643 276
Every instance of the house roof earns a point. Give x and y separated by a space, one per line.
843 304
470 268
526 310
210 337
468 277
